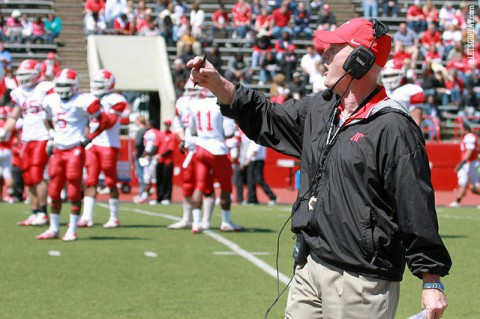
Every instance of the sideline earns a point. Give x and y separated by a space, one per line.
219 238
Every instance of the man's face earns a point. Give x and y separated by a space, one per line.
334 58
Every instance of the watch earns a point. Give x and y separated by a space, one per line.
434 285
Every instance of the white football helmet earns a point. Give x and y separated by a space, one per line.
66 83
103 82
393 74
28 73
195 91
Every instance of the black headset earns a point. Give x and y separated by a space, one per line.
361 59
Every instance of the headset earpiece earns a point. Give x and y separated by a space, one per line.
359 62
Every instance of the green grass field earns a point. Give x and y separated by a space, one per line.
106 273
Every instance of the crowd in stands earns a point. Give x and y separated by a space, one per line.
21 28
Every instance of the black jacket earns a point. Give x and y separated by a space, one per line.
375 207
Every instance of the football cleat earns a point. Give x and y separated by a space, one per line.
28 221
112 223
272 202
70 236
8 199
206 225
454 204
196 228
85 223
180 225
48 234
227 227
153 202
165 202
40 220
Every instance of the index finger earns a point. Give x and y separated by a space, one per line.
196 62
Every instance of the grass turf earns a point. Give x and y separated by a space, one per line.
105 274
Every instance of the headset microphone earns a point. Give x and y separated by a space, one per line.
328 93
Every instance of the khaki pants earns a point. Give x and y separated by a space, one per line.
323 291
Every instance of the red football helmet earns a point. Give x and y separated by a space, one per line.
28 73
66 83
393 74
103 83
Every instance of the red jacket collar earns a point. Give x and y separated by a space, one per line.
364 111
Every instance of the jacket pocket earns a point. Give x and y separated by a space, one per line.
367 224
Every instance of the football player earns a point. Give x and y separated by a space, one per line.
411 96
68 113
181 127
212 162
102 153
6 156
27 99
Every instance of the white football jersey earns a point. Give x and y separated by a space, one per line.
411 96
210 125
70 117
182 116
111 103
30 101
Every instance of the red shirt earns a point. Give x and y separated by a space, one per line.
168 142
217 16
461 65
414 11
94 5
281 18
429 38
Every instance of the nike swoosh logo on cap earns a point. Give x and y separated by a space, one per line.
354 42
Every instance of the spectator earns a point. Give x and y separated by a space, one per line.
151 30
197 20
92 6
297 86
309 64
370 8
280 22
282 44
416 17
220 23
50 67
268 68
432 56
431 37
180 8
326 19
215 59
5 58
458 62
401 55
38 30
390 6
241 19
141 126
188 40
446 15
289 61
187 54
53 26
27 28
261 46
430 12
434 87
113 10
164 170
410 39
13 27
472 85
122 25
255 162
279 92
238 70
168 30
263 22
180 70
170 24
255 10
3 38
450 36
319 78
301 21
94 24
455 87
141 19
316 5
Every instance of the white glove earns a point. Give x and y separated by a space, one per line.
143 161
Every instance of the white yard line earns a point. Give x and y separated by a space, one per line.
228 243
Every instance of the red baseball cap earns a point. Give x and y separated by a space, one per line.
167 121
355 32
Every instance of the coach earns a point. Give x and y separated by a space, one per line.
366 203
